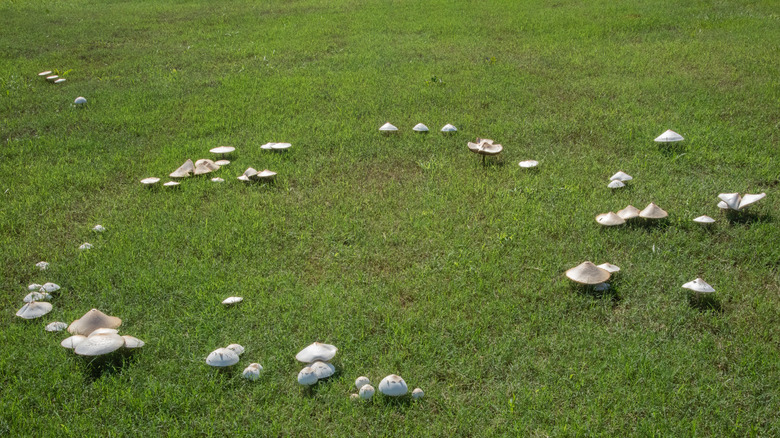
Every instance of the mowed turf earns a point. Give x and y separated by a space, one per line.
404 251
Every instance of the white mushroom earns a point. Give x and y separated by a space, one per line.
704 220
42 265
485 146
653 211
748 200
616 184
150 181
184 170
50 287
735 202
322 370
448 128
366 391
80 100
91 321
699 286
588 273
36 296
280 146
98 228
60 80
610 219
527 164
237 348
387 127
621 176
252 372
72 341
34 286
104 331
52 78
171 184
316 351
248 173
232 300
217 179
34 309
222 150
669 136
393 386
45 73
132 342
56 326
360 381
221 163
204 166
222 357
420 128
307 377
731 199
85 245
99 345
417 393
609 267
265 175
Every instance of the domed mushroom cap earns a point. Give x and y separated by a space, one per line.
387 127
252 372
184 170
222 357
307 377
417 393
527 164
72 341
42 265
448 128
366 391
50 287
34 309
316 351
322 370
98 228
420 128
91 321
393 385
749 200
706 220
629 212
237 348
653 211
699 285
36 296
222 150
669 136
85 245
610 219
616 184
80 100
232 300
99 344
621 176
103 331
609 267
34 286
588 273
217 179
150 181
360 381
56 326
732 200
132 342
204 166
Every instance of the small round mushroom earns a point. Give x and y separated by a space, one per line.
322 370
699 286
669 136
237 348
366 391
527 164
80 100
72 341
85 245
417 393
393 386
360 381
42 265
420 128
588 273
316 351
222 357
232 300
34 309
98 228
307 377
252 372
56 326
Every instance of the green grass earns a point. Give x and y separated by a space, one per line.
403 251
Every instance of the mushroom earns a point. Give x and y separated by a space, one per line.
360 381
527 164
72 341
448 128
275 146
50 287
393 386
609 267
104 331
669 136
36 296
99 344
366 391
387 128
150 181
237 348
80 100
316 351
232 300
221 163
616 184
85 245
34 286
307 377
132 342
222 357
265 175
91 321
42 265
60 80
171 184
45 73
252 372
56 326
704 220
51 78
204 166
699 286
98 228
34 309
322 370
217 180
588 273
733 201
653 211
610 219
417 393
354 396
630 212
222 150
485 147
248 173
621 176
420 128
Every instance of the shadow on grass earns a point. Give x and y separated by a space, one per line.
747 218
705 302
597 292
672 149
107 365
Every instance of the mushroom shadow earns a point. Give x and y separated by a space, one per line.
705 302
596 293
746 218
106 365
672 149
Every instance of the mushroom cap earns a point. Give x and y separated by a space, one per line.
360 381
420 128
91 321
629 212
588 273
51 77
232 300
34 286
387 127
307 377
60 80
366 391
749 200
42 265
610 219
85 245
354 396
221 163
244 178
45 73
237 348
448 128
616 184
699 285
706 220
732 200
528 164
323 370
316 351
722 205
222 150
184 170
264 175
653 211
133 342
252 372
150 181
669 136
249 172
485 146
72 341
222 357
171 184
100 344
393 385
609 267
80 100
36 296
34 309
56 326
267 146
204 166
98 228
621 176
50 287
217 179
104 331
280 146
417 393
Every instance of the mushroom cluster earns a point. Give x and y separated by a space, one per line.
735 203
388 128
619 180
391 386
317 356
36 302
51 78
95 334
651 212
252 175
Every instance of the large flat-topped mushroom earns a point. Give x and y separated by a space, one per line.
316 351
653 211
34 309
588 273
184 170
91 321
222 150
100 344
669 136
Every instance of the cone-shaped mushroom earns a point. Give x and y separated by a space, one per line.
56 326
222 357
420 128
132 342
388 127
616 184
629 212
699 286
704 220
204 166
653 211
669 136
609 267
322 370
366 391
448 128
91 321
316 351
393 386
610 219
100 344
34 309
621 176
588 273
184 170
307 377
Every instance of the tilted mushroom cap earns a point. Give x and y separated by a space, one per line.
629 212
366 391
280 146
36 296
610 219
60 80
133 342
34 309
722 205
653 211
238 348
621 176
749 200
103 331
420 128
448 128
51 77
221 163
80 100
323 370
150 181
609 267
184 170
528 164
485 146
699 285
45 73
72 341
417 393
732 200
616 184
393 386
267 146
250 172
171 184
34 286
232 300
85 245
91 321
204 166
222 357
307 377
360 381
98 228
99 345
252 372
316 351
56 326
222 150
588 273
669 136
387 127
42 265
264 175
704 220
50 287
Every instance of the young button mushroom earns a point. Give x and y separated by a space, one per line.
588 273
322 370
366 391
91 321
307 377
252 372
316 352
417 393
393 386
237 348
221 358
56 326
85 245
699 286
42 265
34 309
360 381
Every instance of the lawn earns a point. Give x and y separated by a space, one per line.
404 251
